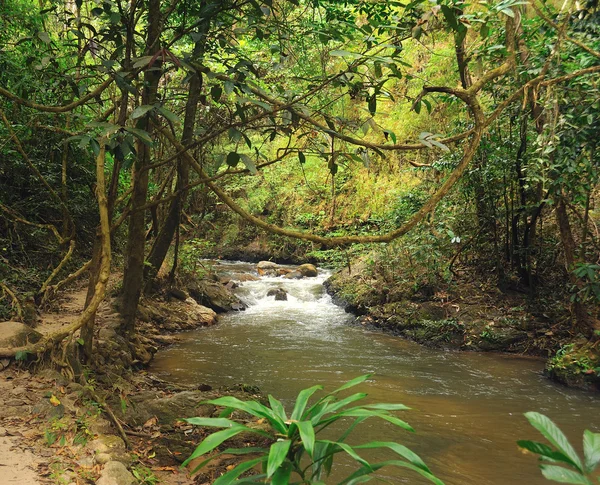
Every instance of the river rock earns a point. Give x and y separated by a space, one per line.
17 334
176 314
214 295
267 268
115 473
294 275
184 404
279 293
307 270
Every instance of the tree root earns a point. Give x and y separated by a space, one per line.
16 304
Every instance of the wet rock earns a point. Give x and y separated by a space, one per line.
17 334
279 293
308 270
167 410
267 268
214 295
294 275
115 473
244 277
177 315
179 294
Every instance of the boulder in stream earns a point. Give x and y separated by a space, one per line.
294 275
214 295
279 293
307 270
267 268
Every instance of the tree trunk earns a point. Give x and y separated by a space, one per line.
165 236
135 249
582 319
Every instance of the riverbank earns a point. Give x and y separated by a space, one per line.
470 315
110 422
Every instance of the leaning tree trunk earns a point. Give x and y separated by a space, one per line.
165 236
135 249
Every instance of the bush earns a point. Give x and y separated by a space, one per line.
295 436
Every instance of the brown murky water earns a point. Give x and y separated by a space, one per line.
467 408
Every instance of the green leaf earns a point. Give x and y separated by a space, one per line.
302 400
231 476
277 454
377 466
450 17
212 441
44 37
401 450
390 134
246 160
232 159
307 434
172 117
591 450
353 382
343 53
282 475
555 436
277 408
251 407
562 475
142 62
21 355
302 158
350 451
216 422
141 134
372 104
388 407
216 92
141 111
543 450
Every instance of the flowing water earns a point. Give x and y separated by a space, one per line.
467 408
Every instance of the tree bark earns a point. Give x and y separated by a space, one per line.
135 249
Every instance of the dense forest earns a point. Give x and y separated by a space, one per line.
433 153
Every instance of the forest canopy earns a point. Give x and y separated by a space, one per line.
123 121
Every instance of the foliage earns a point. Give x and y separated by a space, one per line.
297 435
560 462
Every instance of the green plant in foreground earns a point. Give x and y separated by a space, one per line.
295 436
577 471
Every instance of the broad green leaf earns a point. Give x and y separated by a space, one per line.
353 382
277 408
563 475
378 414
350 451
142 62
543 450
302 400
450 17
172 117
277 455
555 436
387 407
251 407
217 422
282 474
377 466
140 134
402 450
302 157
307 434
591 450
231 476
249 163
335 406
212 441
216 92
44 37
141 111
232 159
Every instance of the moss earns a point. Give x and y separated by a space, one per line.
576 365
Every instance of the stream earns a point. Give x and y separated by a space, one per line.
467 408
